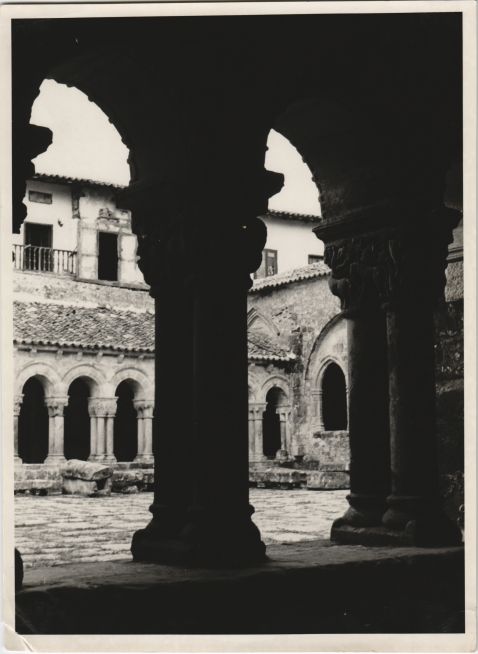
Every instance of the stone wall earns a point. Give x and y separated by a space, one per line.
44 287
305 317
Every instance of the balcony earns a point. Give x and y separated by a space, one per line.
35 258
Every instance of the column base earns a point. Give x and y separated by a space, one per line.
109 459
205 540
422 517
17 461
414 534
144 458
54 460
364 511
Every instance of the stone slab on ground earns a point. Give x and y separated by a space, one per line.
311 587
328 480
126 479
86 488
85 470
278 478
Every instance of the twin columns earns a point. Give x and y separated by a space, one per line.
102 413
256 437
389 280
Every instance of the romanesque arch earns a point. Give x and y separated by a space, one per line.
140 382
92 376
333 396
275 394
33 421
51 381
125 438
77 419
347 145
277 381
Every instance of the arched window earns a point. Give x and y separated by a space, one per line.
33 423
334 398
126 424
271 425
77 421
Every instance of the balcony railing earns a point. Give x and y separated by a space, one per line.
42 259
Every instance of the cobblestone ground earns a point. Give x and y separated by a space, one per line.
56 530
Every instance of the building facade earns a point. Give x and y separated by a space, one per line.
84 341
84 334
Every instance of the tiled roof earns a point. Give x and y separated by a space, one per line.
38 323
41 323
319 269
61 179
287 215
261 348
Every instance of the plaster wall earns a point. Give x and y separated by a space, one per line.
65 236
293 240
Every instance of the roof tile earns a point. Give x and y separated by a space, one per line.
313 270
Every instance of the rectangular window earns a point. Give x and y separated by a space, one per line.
38 254
108 256
38 196
315 258
268 265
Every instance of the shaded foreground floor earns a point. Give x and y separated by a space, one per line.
307 587
56 530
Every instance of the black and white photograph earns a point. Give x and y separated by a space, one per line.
238 360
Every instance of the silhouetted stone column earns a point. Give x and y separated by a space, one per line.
144 410
352 259
93 430
110 408
284 416
191 257
415 280
102 409
17 405
56 407
148 433
256 454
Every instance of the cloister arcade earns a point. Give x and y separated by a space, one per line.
82 415
379 127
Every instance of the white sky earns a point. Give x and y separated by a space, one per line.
85 144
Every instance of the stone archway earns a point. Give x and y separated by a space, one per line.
125 438
33 432
334 398
348 146
77 420
272 439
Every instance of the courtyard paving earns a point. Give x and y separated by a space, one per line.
59 529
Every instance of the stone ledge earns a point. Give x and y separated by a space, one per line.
309 587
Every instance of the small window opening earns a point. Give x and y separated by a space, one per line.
108 256
39 196
268 265
315 258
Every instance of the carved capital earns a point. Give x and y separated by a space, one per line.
17 404
192 232
144 408
398 264
102 407
56 405
257 409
